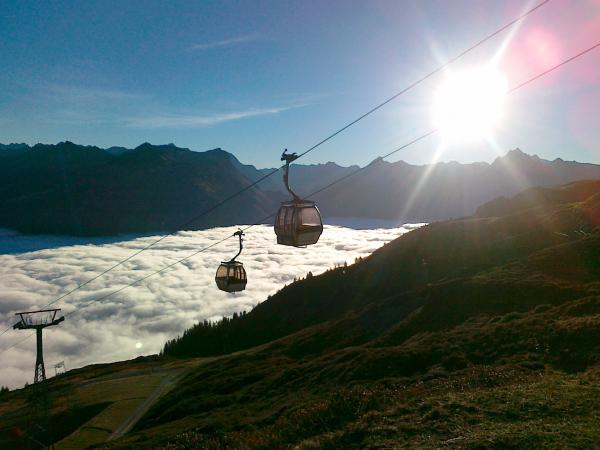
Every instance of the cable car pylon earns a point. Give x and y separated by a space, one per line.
298 222
231 275
38 320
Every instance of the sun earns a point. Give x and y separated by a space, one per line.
469 105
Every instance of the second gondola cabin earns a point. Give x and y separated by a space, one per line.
231 275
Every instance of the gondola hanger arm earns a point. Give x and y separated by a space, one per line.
239 233
289 158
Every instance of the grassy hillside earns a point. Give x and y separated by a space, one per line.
474 333
87 406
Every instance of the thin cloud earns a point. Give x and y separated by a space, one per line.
224 42
77 105
199 121
161 307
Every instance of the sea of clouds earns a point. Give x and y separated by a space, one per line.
138 320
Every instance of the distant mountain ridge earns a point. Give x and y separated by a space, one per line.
86 190
408 193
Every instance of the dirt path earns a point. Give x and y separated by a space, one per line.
165 385
143 407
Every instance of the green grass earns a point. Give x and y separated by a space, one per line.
88 404
124 395
484 407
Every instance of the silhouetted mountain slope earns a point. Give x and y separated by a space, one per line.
84 190
67 188
456 331
585 191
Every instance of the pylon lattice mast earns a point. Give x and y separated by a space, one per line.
38 320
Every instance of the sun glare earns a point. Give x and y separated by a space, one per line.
469 105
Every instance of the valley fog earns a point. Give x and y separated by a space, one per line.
138 320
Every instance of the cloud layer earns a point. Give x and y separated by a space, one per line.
138 320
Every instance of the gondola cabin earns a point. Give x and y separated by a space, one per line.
231 276
298 223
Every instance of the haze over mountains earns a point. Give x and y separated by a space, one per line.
83 190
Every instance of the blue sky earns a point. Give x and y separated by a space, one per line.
255 77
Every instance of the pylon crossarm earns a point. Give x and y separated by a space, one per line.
37 319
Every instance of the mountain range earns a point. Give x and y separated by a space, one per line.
84 190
